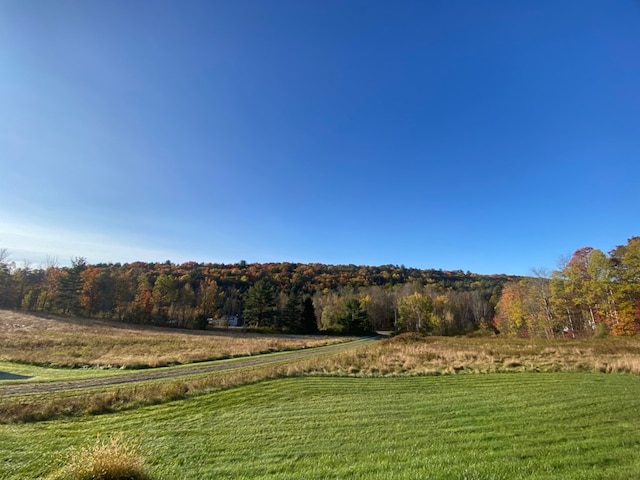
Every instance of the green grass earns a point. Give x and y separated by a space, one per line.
38 374
499 426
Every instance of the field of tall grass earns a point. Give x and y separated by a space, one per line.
70 343
416 355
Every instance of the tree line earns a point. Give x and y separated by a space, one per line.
590 293
286 297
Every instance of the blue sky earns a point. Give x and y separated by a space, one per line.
490 136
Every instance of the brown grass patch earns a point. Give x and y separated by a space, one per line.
412 354
65 342
112 459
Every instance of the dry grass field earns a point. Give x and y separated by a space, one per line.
65 342
412 354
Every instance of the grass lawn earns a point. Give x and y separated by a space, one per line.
495 426
37 374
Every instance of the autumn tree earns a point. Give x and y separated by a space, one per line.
381 307
536 303
89 294
525 309
208 298
510 315
49 291
328 306
579 290
624 290
165 294
143 300
447 311
132 292
186 304
482 308
231 299
124 294
539 304
415 313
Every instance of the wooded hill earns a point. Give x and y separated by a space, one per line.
590 293
290 297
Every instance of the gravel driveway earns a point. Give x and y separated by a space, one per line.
173 372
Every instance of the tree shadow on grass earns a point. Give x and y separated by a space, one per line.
12 376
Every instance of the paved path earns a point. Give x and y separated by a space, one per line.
180 371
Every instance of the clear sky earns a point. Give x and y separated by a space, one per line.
490 136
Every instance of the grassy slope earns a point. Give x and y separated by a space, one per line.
52 341
500 426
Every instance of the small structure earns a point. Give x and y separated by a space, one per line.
224 321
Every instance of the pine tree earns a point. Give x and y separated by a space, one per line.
259 305
309 321
292 313
68 300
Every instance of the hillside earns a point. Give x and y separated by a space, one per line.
286 297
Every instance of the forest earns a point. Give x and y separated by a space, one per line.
591 293
286 297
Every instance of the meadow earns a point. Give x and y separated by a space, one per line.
413 354
60 342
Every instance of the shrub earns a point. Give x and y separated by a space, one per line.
602 330
483 332
200 322
106 460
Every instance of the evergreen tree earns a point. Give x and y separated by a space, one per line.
68 300
259 305
353 318
5 281
309 322
292 313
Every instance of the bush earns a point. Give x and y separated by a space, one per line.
200 322
482 332
602 330
107 460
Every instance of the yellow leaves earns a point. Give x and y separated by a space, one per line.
509 312
364 301
415 312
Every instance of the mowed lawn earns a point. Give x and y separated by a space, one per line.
495 426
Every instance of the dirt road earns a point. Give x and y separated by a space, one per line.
180 371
